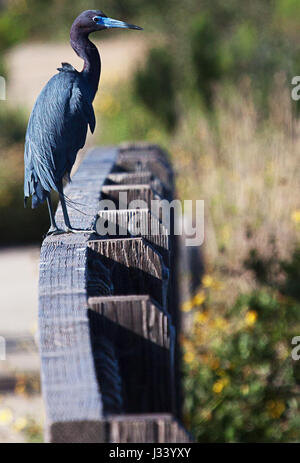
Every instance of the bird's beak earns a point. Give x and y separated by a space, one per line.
110 23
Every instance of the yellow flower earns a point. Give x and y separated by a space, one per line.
220 323
275 408
296 216
6 416
187 306
219 385
225 233
201 317
199 298
189 357
251 317
244 389
207 281
20 424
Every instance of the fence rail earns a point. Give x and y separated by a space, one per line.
108 314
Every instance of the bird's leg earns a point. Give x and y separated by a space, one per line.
65 211
54 230
66 217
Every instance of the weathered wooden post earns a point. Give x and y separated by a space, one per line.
108 314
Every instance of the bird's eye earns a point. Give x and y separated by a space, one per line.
95 19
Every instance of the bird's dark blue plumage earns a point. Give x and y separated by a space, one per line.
59 121
57 129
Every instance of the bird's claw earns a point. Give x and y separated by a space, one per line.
55 231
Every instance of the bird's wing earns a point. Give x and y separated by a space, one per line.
80 102
57 129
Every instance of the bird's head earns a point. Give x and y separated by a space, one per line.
95 20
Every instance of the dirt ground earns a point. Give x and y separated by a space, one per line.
19 287
21 410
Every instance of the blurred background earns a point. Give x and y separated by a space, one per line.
211 82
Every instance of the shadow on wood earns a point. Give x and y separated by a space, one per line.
133 346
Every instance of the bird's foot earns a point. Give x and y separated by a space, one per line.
77 230
55 231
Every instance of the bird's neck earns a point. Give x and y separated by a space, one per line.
89 53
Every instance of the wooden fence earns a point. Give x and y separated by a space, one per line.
108 308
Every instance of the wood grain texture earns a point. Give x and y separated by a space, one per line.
124 429
138 178
151 428
135 266
133 223
116 193
143 149
146 158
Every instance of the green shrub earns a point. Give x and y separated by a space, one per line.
20 225
12 29
154 86
205 47
12 125
240 379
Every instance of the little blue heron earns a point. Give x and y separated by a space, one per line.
58 124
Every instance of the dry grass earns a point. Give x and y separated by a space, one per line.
247 171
